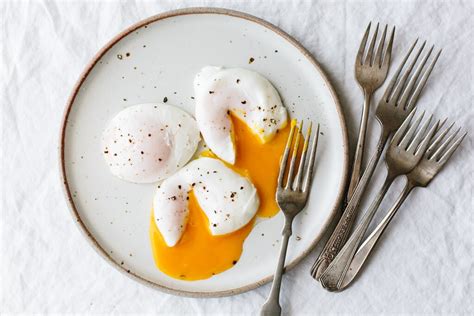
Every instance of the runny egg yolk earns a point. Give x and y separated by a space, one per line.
200 255
259 162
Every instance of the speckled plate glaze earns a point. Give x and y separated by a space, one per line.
156 59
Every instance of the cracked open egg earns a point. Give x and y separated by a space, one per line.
203 213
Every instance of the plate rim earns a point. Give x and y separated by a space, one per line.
84 74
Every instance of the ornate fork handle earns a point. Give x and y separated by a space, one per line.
343 228
366 248
333 276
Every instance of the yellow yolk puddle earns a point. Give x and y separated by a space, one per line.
200 255
259 162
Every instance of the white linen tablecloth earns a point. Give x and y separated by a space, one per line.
425 262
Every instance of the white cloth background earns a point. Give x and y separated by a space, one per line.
425 262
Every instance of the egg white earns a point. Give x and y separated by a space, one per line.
229 200
147 143
247 94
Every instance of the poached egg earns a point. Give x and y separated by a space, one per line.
246 94
228 199
147 143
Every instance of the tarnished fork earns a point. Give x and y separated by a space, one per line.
405 151
370 73
291 197
435 158
398 101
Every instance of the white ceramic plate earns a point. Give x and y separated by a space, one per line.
158 58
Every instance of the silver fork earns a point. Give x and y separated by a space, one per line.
370 73
435 158
291 197
405 151
397 102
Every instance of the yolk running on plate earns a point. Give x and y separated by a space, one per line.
198 255
259 162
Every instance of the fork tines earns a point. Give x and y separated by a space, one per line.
406 88
382 57
295 181
441 149
413 137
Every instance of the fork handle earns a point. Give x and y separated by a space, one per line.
344 226
272 304
368 245
359 154
332 278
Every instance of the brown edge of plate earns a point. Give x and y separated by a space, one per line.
82 78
